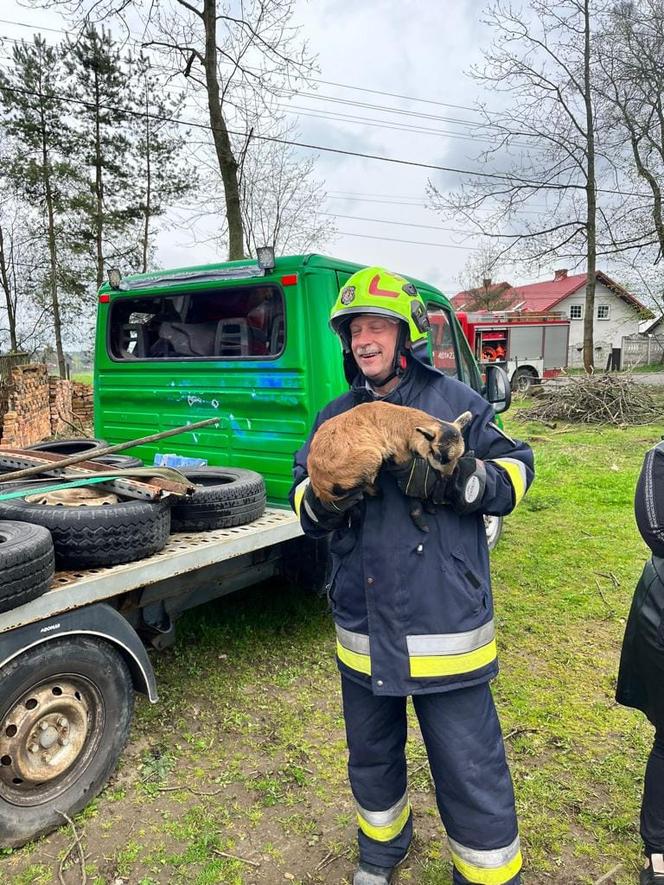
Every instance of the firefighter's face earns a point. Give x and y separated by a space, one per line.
373 340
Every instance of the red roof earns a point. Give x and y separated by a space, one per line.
539 297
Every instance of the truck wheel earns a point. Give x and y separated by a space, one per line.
224 497
523 380
493 526
92 535
27 563
64 720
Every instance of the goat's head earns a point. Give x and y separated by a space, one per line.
442 444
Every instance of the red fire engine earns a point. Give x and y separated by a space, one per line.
529 346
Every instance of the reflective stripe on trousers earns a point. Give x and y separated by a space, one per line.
493 867
430 655
383 826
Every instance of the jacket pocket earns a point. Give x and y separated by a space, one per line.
470 583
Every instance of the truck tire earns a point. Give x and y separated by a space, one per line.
224 497
523 380
64 721
67 446
493 526
27 563
96 535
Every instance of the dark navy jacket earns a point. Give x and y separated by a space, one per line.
413 610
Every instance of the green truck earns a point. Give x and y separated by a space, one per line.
243 341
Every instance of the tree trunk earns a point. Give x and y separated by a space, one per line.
591 204
99 190
148 183
228 165
53 254
4 281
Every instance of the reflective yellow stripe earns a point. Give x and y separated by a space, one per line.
517 474
299 494
354 660
488 876
452 665
385 832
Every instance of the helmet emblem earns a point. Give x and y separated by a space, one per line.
347 294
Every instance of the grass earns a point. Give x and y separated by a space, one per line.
243 760
84 377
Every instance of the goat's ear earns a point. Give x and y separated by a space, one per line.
463 419
429 434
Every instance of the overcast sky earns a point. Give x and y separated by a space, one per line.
418 49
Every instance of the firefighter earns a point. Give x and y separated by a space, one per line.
641 674
412 609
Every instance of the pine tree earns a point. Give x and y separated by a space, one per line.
106 212
39 146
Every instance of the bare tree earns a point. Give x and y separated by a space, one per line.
545 203
631 58
477 280
280 198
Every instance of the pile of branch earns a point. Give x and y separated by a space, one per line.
596 399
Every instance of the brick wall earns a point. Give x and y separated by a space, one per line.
34 407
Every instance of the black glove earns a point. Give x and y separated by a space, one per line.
418 479
465 487
333 515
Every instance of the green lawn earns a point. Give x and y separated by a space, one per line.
238 774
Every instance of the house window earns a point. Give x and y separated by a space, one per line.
603 311
576 311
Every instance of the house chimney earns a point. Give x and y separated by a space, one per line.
486 282
560 274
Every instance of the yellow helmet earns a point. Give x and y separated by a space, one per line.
378 291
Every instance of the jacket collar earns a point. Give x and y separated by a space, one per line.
416 377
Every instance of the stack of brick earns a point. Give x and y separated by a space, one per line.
82 405
25 415
60 406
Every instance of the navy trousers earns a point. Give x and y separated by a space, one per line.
467 759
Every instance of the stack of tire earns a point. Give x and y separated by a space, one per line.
94 536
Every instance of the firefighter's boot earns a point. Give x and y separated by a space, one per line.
368 874
653 874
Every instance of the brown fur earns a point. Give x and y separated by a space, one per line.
347 451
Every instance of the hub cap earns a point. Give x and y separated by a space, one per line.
47 739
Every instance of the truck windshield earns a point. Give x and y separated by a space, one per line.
243 322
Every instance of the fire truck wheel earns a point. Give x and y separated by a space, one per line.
27 563
523 380
64 721
97 530
224 497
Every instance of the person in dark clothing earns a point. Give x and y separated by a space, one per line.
413 609
641 674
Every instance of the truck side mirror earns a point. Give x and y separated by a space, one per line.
498 390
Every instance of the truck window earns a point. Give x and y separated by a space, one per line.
443 351
245 322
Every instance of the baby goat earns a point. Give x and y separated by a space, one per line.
347 451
